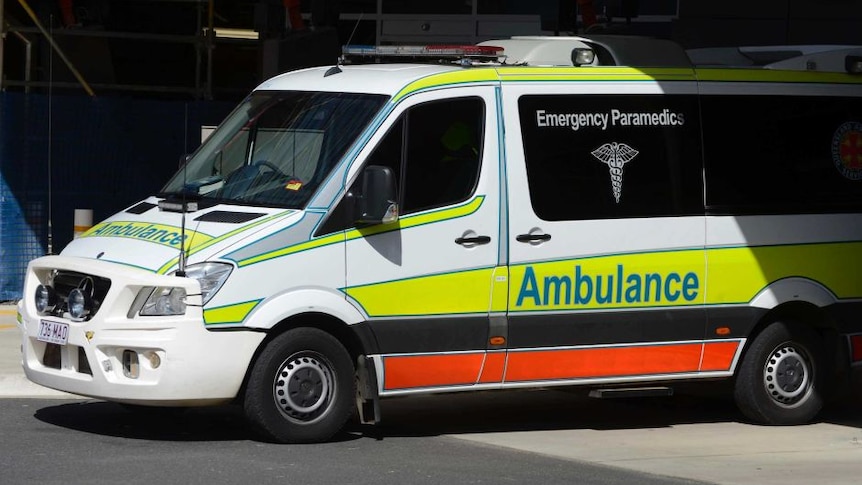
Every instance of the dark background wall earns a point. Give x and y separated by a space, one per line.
102 154
712 23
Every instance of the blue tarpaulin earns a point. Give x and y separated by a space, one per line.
105 154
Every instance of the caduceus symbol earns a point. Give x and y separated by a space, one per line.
615 155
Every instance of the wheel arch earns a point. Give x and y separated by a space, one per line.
357 339
817 318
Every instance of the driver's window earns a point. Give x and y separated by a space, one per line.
434 152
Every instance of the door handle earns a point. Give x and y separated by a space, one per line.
532 237
473 240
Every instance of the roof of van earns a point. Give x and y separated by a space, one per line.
386 79
618 58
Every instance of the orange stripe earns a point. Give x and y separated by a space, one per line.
406 372
718 355
493 369
602 362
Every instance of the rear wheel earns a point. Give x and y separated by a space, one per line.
301 387
780 379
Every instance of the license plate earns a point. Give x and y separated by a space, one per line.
53 332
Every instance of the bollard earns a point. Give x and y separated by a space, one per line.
83 221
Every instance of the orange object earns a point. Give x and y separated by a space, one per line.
588 12
294 15
68 13
492 371
404 372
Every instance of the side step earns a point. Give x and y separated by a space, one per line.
614 393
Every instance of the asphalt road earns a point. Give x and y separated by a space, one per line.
59 441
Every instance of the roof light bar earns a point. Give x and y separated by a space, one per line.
435 51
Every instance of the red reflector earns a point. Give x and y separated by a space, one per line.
856 348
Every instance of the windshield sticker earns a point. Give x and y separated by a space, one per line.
612 118
615 155
143 231
293 185
847 150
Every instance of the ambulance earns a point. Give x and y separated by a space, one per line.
606 212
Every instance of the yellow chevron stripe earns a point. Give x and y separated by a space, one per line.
442 294
235 313
405 223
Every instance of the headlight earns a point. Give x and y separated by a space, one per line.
80 304
165 301
172 300
46 298
211 276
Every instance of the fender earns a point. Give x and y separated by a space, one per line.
793 289
303 300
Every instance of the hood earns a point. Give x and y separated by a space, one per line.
146 237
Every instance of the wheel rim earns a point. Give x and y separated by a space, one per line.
787 374
303 387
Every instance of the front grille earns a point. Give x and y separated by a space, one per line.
64 282
83 363
51 358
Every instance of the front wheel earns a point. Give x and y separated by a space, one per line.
301 387
780 379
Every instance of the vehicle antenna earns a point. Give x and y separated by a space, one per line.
181 270
50 139
352 33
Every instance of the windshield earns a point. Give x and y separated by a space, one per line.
276 148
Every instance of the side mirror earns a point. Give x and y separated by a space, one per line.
376 203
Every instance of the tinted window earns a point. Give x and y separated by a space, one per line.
780 154
596 157
434 151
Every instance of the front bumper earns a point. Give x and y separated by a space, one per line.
179 361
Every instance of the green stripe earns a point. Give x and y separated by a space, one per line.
407 222
234 313
173 262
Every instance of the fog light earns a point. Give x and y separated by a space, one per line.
131 369
581 57
155 360
46 298
80 304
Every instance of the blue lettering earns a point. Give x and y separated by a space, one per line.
532 291
690 285
668 294
579 280
558 284
633 292
608 297
652 278
619 283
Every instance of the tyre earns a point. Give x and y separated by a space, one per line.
301 388
781 378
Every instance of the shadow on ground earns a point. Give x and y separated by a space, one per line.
433 415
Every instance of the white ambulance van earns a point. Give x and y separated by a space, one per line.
532 212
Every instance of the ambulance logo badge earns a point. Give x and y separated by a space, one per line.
615 155
847 150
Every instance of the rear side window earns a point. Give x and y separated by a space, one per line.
606 157
782 154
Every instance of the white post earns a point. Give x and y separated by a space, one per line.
83 221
